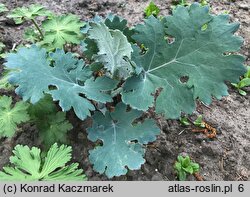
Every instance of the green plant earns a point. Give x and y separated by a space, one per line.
11 116
122 141
185 166
29 165
203 2
243 82
60 30
151 9
4 82
29 13
184 121
54 32
31 35
3 8
199 122
120 78
52 125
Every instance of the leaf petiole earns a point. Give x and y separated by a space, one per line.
38 28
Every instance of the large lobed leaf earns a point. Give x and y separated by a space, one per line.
67 80
192 66
122 140
29 165
11 116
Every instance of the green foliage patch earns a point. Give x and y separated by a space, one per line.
185 166
30 166
11 116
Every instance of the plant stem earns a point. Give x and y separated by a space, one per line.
198 176
38 28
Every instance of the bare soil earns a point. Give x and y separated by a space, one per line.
227 157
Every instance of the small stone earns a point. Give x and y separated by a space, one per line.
246 148
95 179
146 169
89 172
243 6
157 177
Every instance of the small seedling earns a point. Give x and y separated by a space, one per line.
185 166
152 9
3 8
243 82
184 121
203 2
226 12
52 125
199 122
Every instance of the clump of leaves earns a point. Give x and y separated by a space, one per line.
3 8
191 66
4 82
19 15
28 165
151 9
244 82
52 125
60 30
185 166
11 116
31 35
55 31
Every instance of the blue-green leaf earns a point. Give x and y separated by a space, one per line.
184 60
122 140
113 46
67 79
